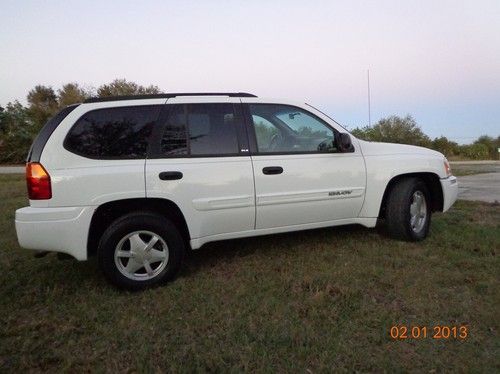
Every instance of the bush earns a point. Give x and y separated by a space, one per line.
490 143
474 151
16 133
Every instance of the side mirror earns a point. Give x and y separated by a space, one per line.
344 143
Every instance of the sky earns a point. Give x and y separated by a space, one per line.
437 60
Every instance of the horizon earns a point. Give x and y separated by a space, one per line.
440 63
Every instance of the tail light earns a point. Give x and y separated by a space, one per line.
38 180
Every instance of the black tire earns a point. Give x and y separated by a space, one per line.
128 224
397 214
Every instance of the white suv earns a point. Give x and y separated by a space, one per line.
137 180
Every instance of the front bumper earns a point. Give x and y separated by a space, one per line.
55 229
450 191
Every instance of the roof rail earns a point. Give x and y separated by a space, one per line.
167 96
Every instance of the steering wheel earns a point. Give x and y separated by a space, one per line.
323 146
275 140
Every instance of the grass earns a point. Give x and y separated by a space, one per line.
464 169
460 171
303 302
464 172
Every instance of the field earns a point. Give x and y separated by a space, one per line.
303 302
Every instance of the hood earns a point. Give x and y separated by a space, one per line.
378 149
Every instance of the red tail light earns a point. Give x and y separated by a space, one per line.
38 181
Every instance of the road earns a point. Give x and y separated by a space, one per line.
479 187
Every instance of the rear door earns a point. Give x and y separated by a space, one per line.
199 159
300 175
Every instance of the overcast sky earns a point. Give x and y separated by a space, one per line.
434 59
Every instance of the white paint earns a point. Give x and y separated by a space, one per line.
222 197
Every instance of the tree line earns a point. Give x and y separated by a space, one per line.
405 130
19 124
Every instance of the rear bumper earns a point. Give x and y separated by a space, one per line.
450 192
55 229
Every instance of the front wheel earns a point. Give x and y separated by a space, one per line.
140 250
408 210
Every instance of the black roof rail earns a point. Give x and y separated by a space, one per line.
167 96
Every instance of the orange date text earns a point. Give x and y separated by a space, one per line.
402 332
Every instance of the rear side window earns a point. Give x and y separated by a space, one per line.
200 130
174 139
112 133
41 139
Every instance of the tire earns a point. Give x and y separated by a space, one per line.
140 250
403 214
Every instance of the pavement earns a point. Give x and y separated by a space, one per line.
478 187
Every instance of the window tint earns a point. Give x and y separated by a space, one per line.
43 136
109 133
174 139
283 128
200 130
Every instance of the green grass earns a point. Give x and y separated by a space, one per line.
316 300
463 170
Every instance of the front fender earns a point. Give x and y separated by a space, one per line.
381 169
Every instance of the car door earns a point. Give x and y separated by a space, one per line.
199 160
301 177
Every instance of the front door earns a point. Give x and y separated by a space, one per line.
300 175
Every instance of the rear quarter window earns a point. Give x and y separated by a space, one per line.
43 136
113 133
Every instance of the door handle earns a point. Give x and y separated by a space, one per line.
170 175
272 170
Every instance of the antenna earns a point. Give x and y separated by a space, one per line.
369 104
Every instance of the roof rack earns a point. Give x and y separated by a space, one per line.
167 96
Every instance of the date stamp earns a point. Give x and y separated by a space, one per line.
402 332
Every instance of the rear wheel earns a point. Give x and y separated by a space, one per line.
140 250
408 210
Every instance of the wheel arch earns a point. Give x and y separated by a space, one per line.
430 179
110 211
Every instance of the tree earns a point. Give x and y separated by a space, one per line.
3 120
43 104
491 143
445 146
123 87
394 129
16 133
71 93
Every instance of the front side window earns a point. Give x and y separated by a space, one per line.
111 133
200 130
288 129
264 131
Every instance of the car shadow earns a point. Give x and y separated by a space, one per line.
226 251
